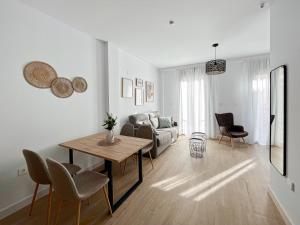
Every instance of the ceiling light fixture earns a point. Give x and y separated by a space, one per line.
265 4
216 66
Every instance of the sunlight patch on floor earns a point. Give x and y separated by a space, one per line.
224 182
173 182
207 187
211 181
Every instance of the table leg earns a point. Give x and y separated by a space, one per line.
132 189
140 166
108 168
71 156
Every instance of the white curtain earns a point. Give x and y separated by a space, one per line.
196 101
257 83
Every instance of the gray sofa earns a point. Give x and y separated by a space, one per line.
163 137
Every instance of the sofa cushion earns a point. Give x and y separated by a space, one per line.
154 122
144 123
163 138
165 122
173 131
154 114
138 119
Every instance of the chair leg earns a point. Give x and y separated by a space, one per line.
134 159
107 200
243 140
49 204
231 140
220 139
78 213
151 159
124 167
60 203
33 198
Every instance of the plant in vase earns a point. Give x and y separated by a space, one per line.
109 123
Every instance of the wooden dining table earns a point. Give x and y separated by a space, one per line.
123 148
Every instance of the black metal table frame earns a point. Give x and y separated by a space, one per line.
108 169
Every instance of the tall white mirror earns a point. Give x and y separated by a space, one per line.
278 119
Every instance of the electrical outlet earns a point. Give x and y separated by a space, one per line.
22 171
291 185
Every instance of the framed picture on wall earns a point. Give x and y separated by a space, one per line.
139 96
127 88
139 82
149 91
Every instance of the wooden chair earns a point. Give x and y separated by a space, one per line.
78 189
229 129
144 131
38 172
127 130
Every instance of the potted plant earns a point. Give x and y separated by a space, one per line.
109 123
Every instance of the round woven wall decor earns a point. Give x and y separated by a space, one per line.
62 87
39 74
79 84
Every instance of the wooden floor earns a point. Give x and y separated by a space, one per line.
227 187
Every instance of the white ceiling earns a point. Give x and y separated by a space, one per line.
141 27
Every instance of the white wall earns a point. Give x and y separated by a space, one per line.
169 93
34 118
122 64
285 49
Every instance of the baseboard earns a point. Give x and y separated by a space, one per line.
27 200
21 204
279 207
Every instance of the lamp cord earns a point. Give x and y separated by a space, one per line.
215 55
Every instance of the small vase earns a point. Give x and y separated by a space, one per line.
110 136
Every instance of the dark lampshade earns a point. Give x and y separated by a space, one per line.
215 67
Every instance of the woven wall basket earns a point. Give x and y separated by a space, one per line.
79 84
62 87
39 74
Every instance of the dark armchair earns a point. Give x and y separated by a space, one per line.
228 129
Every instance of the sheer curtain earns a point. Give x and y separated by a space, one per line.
196 101
257 84
199 99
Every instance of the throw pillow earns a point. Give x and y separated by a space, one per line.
147 122
139 122
151 115
165 122
155 122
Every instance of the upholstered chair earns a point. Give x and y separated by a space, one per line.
76 189
38 172
228 129
127 130
272 119
146 132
